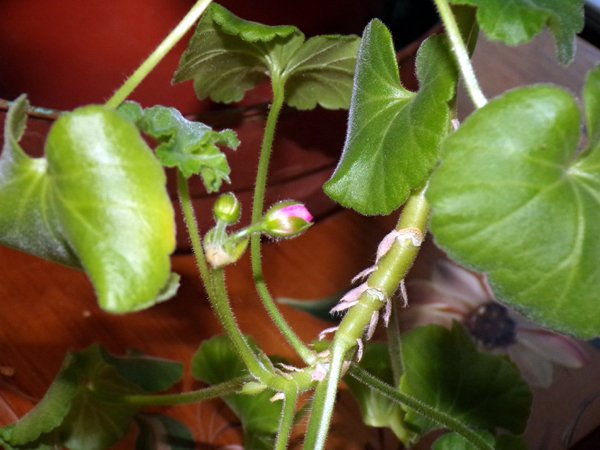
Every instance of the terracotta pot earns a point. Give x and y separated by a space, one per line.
88 48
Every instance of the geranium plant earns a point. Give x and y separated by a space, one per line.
510 193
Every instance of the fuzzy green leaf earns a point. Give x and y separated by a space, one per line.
51 411
444 369
516 22
228 56
224 65
321 72
80 409
191 147
98 199
28 220
377 410
162 432
216 361
513 198
454 441
394 134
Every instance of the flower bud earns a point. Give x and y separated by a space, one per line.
222 252
286 219
227 209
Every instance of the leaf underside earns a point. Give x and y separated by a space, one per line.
514 198
228 56
97 200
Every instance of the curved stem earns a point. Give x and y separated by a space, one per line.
461 53
286 422
215 286
218 390
445 420
260 187
381 285
158 54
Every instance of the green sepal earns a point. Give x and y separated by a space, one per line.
515 199
394 135
517 22
97 200
191 147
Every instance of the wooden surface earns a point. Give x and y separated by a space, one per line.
48 310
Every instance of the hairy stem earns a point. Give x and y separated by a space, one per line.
382 284
218 390
158 54
442 419
286 422
215 286
260 187
461 53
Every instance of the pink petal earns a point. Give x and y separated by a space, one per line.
535 369
557 348
459 283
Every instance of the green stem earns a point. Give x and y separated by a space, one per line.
215 286
384 281
220 302
286 422
189 217
218 390
260 187
425 410
461 53
158 54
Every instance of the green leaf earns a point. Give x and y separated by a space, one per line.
454 441
228 56
216 361
97 199
510 442
591 96
28 221
321 72
189 146
81 408
162 432
247 30
444 369
394 135
513 198
516 22
223 65
51 411
377 410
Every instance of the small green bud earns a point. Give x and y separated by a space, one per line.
286 219
227 209
253 388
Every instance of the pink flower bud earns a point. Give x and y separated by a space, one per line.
286 219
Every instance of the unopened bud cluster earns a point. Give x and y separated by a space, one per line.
285 219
